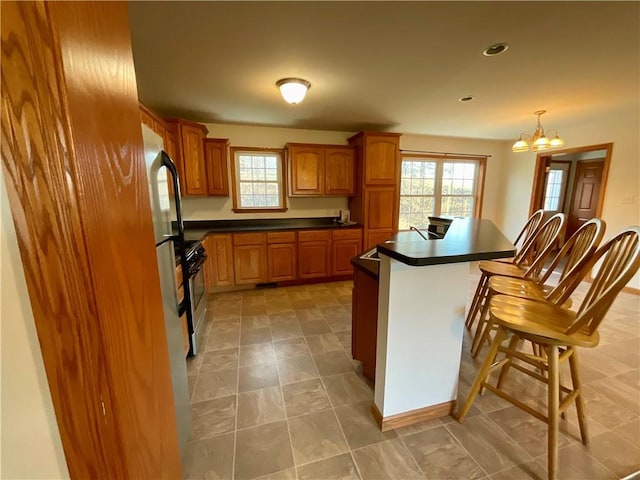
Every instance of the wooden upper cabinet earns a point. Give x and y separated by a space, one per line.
339 171
382 160
306 170
151 120
189 157
320 170
380 208
216 163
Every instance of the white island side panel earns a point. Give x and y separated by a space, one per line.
420 331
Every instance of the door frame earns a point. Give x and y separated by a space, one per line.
539 174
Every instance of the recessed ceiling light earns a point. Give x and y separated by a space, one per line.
466 98
495 49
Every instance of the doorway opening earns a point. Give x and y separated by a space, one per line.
572 181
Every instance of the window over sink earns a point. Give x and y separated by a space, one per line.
258 184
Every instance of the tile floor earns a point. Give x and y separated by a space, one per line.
275 395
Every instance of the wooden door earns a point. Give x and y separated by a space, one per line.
339 167
281 262
218 270
380 208
195 175
306 170
382 159
215 152
586 194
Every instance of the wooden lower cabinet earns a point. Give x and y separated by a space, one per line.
364 321
345 245
314 250
373 237
281 256
218 269
250 258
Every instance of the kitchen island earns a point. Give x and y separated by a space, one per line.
422 295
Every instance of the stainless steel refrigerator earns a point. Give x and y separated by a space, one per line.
161 175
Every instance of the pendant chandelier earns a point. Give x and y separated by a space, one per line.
538 140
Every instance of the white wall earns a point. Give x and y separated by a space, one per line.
30 440
621 202
217 208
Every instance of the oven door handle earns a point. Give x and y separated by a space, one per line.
195 268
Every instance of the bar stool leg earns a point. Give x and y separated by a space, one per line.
477 298
482 375
575 381
553 400
483 328
513 345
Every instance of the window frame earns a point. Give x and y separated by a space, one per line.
440 160
235 186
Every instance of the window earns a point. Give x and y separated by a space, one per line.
257 180
554 185
439 186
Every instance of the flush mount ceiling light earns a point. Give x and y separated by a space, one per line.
293 90
495 49
537 141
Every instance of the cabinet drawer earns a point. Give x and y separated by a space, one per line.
281 237
249 238
314 235
179 275
347 234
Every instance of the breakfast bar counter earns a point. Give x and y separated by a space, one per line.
422 295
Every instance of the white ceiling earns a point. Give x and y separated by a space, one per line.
390 66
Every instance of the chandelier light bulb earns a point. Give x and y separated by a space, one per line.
293 90
538 140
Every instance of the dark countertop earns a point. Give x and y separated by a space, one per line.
467 240
197 229
371 267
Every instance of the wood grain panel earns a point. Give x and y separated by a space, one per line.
250 263
306 170
380 205
339 171
216 163
313 259
342 251
382 160
364 321
194 175
281 262
219 266
72 153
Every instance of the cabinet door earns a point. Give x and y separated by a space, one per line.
170 145
364 322
281 261
218 269
339 167
382 160
306 170
195 176
380 208
215 153
342 251
250 263
313 259
374 237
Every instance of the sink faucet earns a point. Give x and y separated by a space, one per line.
411 227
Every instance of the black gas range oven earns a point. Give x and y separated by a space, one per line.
192 256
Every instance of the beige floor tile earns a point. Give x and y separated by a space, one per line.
252 300
262 450
332 363
603 409
307 314
526 471
280 317
250 310
359 427
316 436
257 353
219 360
218 384
287 474
260 406
323 343
387 460
213 417
630 432
440 456
254 377
297 369
255 321
340 467
249 336
574 463
294 347
210 458
305 397
313 327
223 336
285 331
344 337
615 453
347 388
491 448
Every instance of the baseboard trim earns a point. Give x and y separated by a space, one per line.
413 416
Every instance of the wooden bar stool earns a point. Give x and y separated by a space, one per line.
558 332
537 248
574 253
529 228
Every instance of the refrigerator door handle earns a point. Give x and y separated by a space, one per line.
167 162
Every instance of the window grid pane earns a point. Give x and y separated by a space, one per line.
554 185
417 189
259 180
